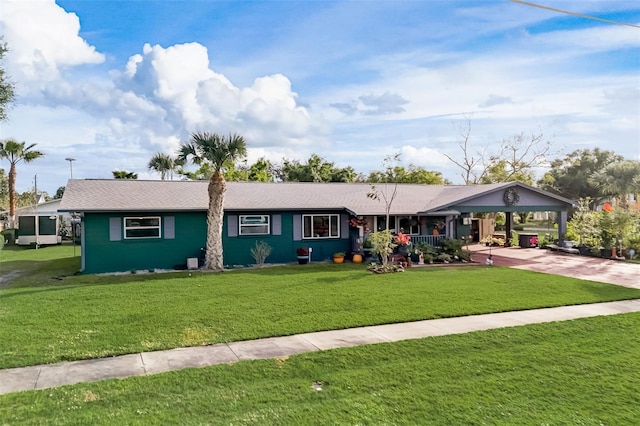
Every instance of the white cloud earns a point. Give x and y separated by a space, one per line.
43 40
423 157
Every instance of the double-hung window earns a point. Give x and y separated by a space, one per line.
320 226
142 227
254 225
410 225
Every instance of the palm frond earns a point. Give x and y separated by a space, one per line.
214 148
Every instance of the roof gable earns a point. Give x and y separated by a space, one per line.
492 195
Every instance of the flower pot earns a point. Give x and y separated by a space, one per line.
338 259
584 250
357 258
606 253
303 260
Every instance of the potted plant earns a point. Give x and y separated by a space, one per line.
366 248
338 257
402 242
303 255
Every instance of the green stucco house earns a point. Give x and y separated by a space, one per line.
142 225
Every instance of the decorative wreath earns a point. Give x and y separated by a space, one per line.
511 197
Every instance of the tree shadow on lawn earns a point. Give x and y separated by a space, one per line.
608 292
64 273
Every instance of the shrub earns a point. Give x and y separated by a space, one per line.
427 249
443 257
385 269
454 248
260 252
543 241
382 244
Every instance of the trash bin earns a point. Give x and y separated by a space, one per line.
528 240
9 236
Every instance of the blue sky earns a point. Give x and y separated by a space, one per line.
110 83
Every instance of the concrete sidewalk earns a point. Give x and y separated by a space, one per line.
52 375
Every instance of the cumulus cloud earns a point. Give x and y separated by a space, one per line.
152 103
43 40
423 156
178 80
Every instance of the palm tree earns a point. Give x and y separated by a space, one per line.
619 180
165 165
123 174
15 152
216 150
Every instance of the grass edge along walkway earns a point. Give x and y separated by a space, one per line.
53 375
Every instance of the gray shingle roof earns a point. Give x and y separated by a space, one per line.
157 195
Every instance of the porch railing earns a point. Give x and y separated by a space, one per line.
432 240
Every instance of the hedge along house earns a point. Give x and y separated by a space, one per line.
140 225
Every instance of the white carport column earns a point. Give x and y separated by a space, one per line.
562 224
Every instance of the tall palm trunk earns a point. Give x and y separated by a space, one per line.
215 214
12 195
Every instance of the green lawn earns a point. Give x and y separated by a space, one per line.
581 372
49 315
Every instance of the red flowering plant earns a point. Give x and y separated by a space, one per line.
401 239
355 222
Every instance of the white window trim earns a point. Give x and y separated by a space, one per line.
126 228
330 237
241 225
405 217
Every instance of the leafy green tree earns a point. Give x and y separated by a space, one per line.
217 151
501 171
59 193
123 174
316 169
584 224
346 174
412 174
29 198
262 171
164 164
236 171
382 244
618 180
204 172
15 152
570 177
7 92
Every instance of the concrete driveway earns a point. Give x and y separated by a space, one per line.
558 263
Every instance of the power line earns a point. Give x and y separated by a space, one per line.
579 15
